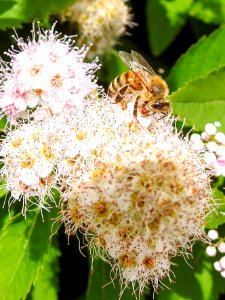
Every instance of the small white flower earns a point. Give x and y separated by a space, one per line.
221 247
43 168
217 266
198 145
220 137
211 251
28 177
220 151
222 262
213 234
217 124
195 137
210 129
210 159
205 137
212 146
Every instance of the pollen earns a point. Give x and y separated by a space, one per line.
126 231
56 80
99 171
27 160
148 262
35 69
37 92
100 208
75 214
128 260
47 152
81 135
17 142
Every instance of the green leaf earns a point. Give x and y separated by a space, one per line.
196 281
42 9
3 190
217 216
14 16
100 286
209 11
6 5
3 122
4 216
112 66
165 19
205 56
25 11
46 286
23 243
202 100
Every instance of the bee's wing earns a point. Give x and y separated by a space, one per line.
137 64
141 62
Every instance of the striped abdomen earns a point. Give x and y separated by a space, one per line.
126 83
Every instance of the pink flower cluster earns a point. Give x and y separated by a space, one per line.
47 73
218 247
214 143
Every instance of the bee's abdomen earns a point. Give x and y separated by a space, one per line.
116 85
121 83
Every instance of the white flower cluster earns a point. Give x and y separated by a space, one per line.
219 246
138 193
140 200
214 142
44 91
99 22
47 72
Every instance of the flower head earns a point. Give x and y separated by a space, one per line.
47 71
29 154
45 154
141 197
99 22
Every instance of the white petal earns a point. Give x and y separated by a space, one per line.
28 177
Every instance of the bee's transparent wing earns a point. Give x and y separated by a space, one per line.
140 62
137 64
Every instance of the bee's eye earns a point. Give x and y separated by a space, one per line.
157 105
161 105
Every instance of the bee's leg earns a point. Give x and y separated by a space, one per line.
162 117
118 98
144 109
135 110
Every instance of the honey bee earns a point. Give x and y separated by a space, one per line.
142 84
